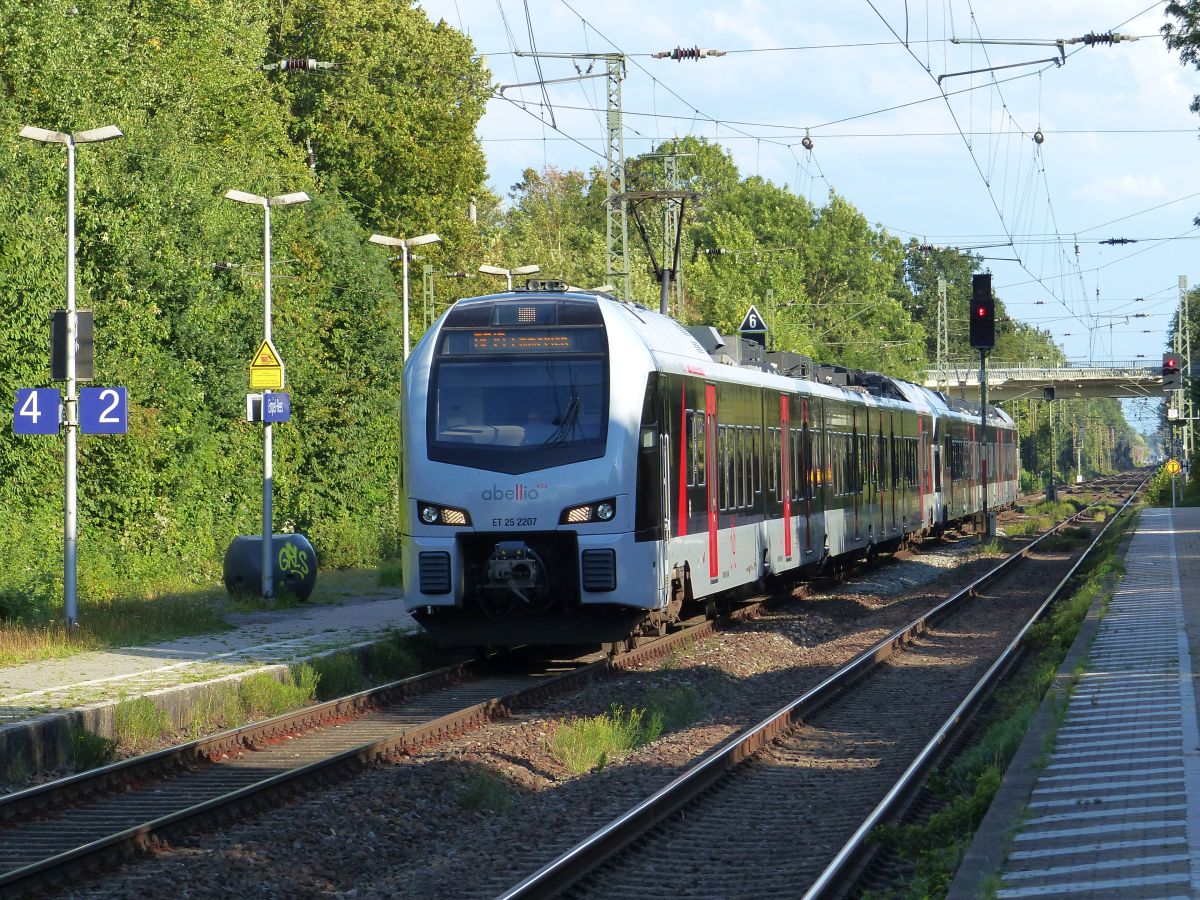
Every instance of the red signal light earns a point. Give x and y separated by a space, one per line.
981 312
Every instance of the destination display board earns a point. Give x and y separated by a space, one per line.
492 339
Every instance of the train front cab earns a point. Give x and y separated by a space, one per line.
536 520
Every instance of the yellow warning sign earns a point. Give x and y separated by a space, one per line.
266 369
1173 467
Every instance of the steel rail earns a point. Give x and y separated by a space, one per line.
107 781
567 868
833 880
116 775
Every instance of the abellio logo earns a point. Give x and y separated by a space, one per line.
517 492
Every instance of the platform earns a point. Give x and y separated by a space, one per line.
37 699
1113 810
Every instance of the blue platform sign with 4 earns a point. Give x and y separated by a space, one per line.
103 410
37 411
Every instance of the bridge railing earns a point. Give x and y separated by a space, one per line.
1031 370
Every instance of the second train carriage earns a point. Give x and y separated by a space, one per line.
575 468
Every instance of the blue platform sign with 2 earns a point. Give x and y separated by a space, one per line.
277 407
37 411
103 410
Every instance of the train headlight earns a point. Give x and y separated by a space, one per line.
433 514
596 511
577 515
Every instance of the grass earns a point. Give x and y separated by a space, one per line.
965 789
262 695
485 792
390 573
140 723
90 750
589 743
338 674
121 621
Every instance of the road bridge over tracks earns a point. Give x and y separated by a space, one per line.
1128 379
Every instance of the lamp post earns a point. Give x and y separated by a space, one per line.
70 503
509 273
404 244
268 573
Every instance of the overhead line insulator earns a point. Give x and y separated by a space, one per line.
681 53
298 64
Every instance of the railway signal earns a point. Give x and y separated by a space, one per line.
1172 373
983 313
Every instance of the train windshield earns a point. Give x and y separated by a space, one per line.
518 413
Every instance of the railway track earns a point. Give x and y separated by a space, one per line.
785 806
55 832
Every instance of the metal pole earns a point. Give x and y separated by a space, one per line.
1053 453
427 293
508 274
268 573
664 290
70 503
1187 408
404 256
983 434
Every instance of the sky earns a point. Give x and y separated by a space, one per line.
917 147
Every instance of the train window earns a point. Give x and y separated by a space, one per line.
739 461
748 466
517 414
806 462
735 468
860 460
877 463
726 465
773 462
795 452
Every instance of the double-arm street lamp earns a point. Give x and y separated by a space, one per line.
404 244
268 572
70 518
509 273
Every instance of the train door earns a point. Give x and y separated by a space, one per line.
922 468
785 471
881 487
948 492
890 465
710 462
855 473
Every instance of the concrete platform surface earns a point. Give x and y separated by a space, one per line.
1103 797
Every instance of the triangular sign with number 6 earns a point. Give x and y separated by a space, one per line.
753 323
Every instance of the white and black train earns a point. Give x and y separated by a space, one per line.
576 469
